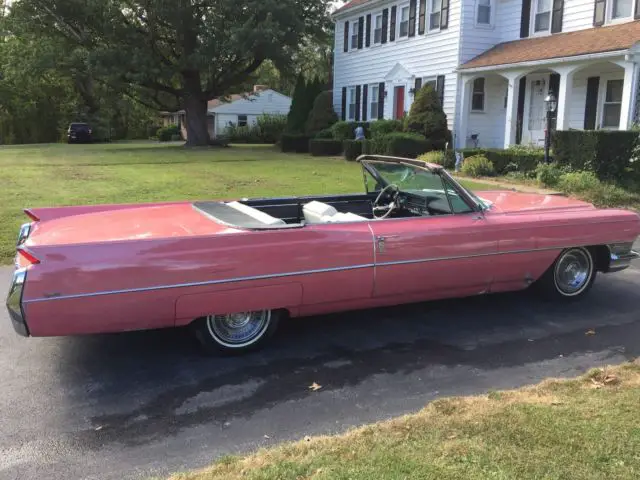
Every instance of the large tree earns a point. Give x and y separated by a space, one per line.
177 54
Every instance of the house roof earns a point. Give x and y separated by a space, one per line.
583 42
216 102
350 5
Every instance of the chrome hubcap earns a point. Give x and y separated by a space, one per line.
238 329
573 271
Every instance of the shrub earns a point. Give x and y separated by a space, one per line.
294 142
165 133
248 134
322 116
608 154
354 148
152 131
300 108
383 127
319 147
445 158
406 145
578 182
548 174
346 130
427 118
478 166
326 133
271 127
509 160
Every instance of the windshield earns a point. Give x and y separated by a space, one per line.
437 186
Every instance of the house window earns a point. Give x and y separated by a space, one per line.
404 21
352 103
242 121
477 97
543 16
621 8
355 29
483 16
612 104
374 94
434 15
431 81
377 30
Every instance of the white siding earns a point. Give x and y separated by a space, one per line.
429 55
578 15
268 101
490 124
223 119
509 16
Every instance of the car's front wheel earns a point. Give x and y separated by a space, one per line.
237 332
571 276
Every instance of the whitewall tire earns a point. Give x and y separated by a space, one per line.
571 276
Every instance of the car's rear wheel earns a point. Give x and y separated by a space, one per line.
571 276
236 333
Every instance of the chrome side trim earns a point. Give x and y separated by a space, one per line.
294 274
14 302
621 255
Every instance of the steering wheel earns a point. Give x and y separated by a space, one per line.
389 208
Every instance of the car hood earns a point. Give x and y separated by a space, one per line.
138 223
509 202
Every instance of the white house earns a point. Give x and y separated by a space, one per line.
241 110
492 63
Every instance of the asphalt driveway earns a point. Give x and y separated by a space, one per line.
140 404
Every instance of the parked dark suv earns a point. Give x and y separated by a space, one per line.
79 133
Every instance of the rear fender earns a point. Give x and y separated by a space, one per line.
51 213
273 297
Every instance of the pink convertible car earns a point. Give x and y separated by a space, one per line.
231 270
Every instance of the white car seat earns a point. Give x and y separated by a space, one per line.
318 212
257 214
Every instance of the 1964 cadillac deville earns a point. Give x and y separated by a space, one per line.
232 269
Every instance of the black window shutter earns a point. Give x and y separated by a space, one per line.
418 85
412 18
599 10
591 105
392 26
365 102
360 33
346 36
368 31
344 103
422 19
381 100
525 17
520 116
358 93
554 86
444 15
637 12
440 88
556 16
385 24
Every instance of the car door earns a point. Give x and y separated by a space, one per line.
437 255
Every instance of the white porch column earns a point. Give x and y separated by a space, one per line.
511 121
629 92
465 100
564 96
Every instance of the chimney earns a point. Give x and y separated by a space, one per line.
260 88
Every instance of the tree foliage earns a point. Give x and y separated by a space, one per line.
427 118
322 115
177 54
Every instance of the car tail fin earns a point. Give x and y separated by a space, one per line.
26 258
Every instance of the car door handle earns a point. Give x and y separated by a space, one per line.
381 242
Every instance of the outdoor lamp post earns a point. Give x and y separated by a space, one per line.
551 104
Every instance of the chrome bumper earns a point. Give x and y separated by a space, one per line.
14 302
621 255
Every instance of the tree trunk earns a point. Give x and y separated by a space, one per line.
196 113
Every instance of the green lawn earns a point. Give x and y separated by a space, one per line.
60 174
580 429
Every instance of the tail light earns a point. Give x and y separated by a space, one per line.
26 258
32 215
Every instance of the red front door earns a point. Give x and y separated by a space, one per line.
399 103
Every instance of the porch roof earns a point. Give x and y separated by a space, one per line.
571 44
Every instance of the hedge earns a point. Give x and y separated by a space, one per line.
506 160
293 142
166 133
606 153
319 147
354 148
384 127
406 145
